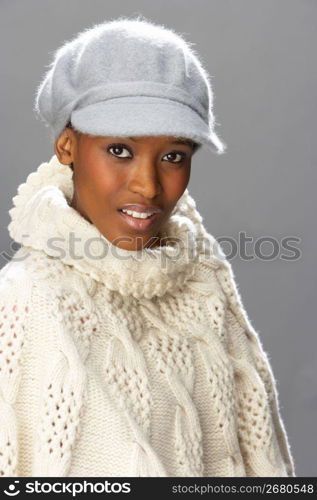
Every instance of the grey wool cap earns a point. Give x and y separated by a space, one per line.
129 77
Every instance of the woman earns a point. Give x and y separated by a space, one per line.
125 347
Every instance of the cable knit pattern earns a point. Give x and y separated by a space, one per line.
128 363
14 311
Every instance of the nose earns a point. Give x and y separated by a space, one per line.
144 180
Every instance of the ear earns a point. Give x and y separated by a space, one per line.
64 146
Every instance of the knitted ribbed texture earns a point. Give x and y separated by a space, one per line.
143 366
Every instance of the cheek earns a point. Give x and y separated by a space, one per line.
96 186
175 185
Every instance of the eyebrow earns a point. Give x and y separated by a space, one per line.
178 141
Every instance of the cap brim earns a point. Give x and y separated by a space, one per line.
145 116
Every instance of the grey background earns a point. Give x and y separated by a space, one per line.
262 57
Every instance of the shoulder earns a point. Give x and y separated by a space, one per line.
15 311
31 272
38 293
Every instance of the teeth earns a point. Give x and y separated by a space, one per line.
138 215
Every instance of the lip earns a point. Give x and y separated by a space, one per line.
139 224
141 208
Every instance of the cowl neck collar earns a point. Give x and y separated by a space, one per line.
43 219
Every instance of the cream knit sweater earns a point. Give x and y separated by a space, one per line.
122 363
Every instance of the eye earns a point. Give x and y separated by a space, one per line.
118 150
175 153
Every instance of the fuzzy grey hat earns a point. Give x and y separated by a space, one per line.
129 77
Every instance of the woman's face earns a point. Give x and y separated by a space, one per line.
110 172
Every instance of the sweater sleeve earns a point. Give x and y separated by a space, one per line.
262 434
14 311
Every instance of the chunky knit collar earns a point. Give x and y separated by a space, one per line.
43 219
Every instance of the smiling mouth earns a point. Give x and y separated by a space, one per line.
139 223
